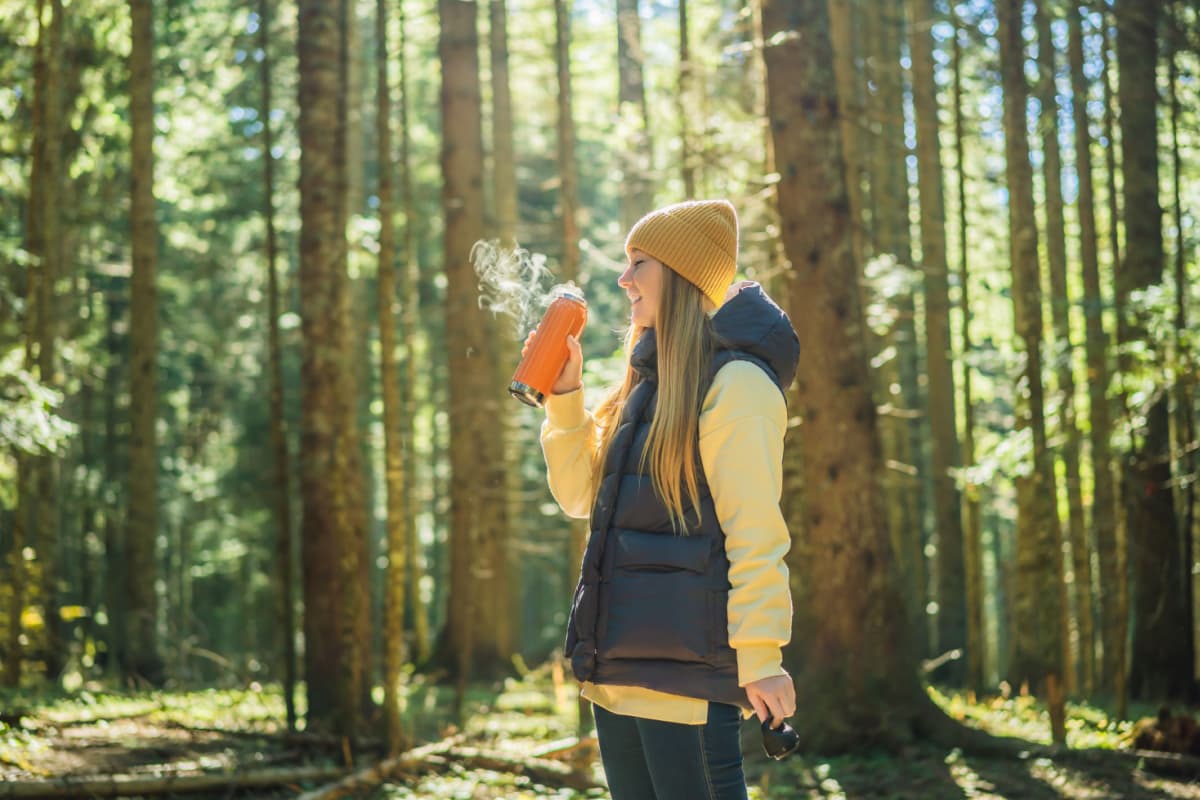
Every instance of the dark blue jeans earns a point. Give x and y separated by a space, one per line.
649 760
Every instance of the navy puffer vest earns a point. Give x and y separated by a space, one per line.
651 605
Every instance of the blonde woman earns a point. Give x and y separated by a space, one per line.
683 601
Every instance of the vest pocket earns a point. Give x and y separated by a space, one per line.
659 615
659 552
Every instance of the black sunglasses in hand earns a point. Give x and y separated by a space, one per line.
781 742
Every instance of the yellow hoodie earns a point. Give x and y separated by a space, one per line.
742 423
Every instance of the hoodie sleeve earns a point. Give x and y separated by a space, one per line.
742 426
568 442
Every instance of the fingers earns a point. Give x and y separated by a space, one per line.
773 700
775 706
760 707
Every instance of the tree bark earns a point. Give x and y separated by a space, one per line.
972 515
897 378
395 476
686 156
569 200
354 405
857 659
142 660
636 152
1161 666
944 452
281 489
1077 666
1104 509
329 542
1184 418
115 533
504 159
842 23
477 629
508 348
1114 571
410 323
50 251
1037 630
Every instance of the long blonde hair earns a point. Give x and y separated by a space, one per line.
686 342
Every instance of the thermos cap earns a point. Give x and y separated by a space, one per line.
571 292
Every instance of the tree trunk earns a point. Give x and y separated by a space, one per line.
504 179
115 533
636 152
329 542
897 377
1037 630
477 628
686 156
944 455
1104 508
972 519
395 477
1161 666
1077 667
1184 439
854 651
569 173
1114 570
142 660
409 325
842 15
508 348
353 308
46 499
281 485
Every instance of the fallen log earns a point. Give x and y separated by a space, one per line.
444 755
566 748
539 770
126 785
379 772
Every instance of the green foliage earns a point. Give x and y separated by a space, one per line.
30 423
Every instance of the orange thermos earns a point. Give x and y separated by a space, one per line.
547 353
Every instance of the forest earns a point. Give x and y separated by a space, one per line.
270 521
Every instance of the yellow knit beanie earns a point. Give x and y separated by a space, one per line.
698 239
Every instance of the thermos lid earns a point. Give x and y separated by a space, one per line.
571 292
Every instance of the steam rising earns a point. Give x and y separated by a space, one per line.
514 282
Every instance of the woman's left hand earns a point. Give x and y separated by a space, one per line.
773 698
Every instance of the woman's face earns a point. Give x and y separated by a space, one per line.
642 281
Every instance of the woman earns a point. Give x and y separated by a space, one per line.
683 601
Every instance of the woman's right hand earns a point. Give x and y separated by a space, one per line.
571 377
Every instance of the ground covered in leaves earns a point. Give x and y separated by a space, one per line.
91 732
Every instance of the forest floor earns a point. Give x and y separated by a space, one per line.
90 733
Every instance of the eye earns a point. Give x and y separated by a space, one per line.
637 264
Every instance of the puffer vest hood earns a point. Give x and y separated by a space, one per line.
651 605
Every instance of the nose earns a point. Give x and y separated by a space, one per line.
625 279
